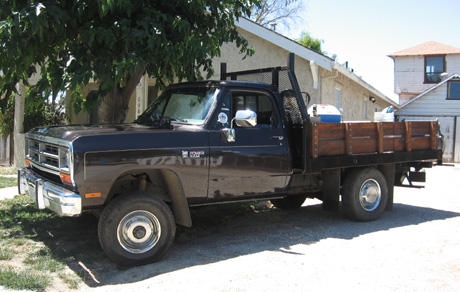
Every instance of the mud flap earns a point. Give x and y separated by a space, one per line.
388 171
331 190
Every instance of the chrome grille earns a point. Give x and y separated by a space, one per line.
47 156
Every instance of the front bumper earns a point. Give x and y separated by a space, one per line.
48 195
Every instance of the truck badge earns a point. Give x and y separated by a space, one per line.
196 154
193 154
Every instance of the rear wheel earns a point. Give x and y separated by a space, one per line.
364 194
289 202
136 229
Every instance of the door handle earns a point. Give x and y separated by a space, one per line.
280 138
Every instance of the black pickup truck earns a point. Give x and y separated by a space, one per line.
245 137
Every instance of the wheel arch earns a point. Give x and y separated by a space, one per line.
162 183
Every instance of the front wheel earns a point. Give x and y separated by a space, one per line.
364 194
136 229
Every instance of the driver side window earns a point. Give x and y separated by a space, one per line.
258 102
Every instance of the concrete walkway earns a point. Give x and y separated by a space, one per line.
10 192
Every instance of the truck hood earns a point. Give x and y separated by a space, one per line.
108 137
72 132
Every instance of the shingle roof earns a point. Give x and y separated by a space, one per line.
428 48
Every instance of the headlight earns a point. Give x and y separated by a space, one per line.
64 159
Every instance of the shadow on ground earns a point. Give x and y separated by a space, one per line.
224 232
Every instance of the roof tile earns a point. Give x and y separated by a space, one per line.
428 48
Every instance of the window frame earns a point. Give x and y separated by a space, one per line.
246 92
448 89
425 75
365 106
338 98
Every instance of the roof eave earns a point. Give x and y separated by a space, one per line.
285 42
307 54
366 85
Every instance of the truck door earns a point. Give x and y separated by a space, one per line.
257 162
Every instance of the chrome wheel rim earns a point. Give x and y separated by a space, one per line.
139 231
370 195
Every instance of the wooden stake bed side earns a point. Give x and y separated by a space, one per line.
349 138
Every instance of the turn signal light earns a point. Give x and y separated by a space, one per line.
92 195
65 178
28 162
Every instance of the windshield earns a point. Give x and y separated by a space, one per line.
185 105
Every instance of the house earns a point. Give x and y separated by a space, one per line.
326 81
419 68
427 79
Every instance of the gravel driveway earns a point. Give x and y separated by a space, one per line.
416 247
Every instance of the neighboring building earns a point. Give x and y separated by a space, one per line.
427 79
421 67
326 81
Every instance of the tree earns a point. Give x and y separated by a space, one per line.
114 42
310 42
38 112
273 12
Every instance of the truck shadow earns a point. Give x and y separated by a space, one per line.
221 233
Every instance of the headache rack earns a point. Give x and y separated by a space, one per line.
284 80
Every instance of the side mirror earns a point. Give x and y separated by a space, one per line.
244 119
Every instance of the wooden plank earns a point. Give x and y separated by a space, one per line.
332 139
331 130
421 143
348 138
392 129
393 144
331 148
379 127
408 139
434 135
314 140
362 146
421 128
363 130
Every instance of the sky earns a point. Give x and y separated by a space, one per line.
364 33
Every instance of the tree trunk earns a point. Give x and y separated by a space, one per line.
114 107
11 145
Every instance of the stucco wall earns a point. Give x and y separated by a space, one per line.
354 99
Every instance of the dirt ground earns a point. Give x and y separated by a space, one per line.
413 248
233 247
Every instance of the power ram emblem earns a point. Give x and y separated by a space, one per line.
196 154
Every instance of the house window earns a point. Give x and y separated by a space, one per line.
434 67
365 108
337 98
453 90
